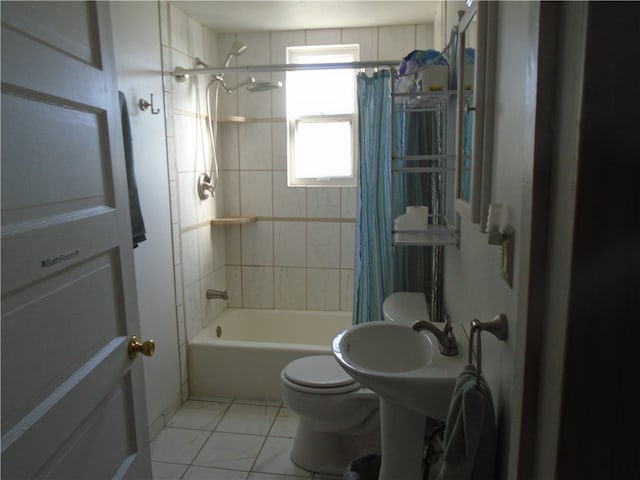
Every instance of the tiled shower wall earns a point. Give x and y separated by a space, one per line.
299 252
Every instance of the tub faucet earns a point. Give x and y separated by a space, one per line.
224 295
446 339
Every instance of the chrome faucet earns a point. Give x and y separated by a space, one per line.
446 339
217 294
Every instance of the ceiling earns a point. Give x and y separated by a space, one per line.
270 16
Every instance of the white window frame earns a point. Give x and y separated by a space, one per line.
293 54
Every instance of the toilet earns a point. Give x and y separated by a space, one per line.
338 418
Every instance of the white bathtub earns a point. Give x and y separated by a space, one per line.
242 353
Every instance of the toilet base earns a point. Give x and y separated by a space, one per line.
329 452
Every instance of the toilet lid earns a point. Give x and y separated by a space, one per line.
321 371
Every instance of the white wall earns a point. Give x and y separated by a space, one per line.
473 285
137 51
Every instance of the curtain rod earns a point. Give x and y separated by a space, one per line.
180 73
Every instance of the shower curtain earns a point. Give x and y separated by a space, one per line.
374 263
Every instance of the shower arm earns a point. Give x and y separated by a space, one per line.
181 74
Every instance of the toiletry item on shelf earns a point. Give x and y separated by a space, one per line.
416 219
495 222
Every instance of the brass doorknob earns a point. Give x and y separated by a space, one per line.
147 348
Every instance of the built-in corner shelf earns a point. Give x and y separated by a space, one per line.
232 119
243 119
232 220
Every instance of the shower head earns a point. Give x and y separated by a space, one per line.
263 86
237 48
251 84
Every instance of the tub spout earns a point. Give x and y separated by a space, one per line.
446 340
211 294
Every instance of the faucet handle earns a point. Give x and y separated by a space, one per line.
448 326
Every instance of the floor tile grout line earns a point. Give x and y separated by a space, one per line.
211 432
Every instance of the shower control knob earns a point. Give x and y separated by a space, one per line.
147 348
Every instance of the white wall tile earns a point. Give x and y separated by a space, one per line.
281 40
230 192
278 96
205 250
173 199
211 308
190 263
396 41
255 146
367 38
290 244
290 288
195 36
323 289
183 92
258 50
257 243
347 248
255 104
323 202
348 200
182 335
288 201
425 36
234 286
179 30
233 244
205 207
227 101
257 287
219 247
323 37
163 12
210 48
193 309
167 68
188 199
228 143
346 290
185 143
280 148
323 245
256 194
177 274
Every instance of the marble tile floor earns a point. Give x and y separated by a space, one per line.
225 439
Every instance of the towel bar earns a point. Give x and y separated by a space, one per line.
497 326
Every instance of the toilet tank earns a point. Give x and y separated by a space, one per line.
405 307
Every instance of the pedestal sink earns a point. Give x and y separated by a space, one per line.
413 380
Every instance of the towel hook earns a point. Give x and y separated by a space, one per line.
144 104
498 327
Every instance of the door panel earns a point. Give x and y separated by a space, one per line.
72 401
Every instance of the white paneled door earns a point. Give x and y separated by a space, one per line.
73 402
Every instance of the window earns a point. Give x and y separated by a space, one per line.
322 123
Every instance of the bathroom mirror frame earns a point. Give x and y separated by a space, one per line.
478 21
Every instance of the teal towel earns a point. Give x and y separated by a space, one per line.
470 436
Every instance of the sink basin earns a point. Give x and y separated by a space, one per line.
400 364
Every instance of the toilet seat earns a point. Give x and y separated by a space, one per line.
319 374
